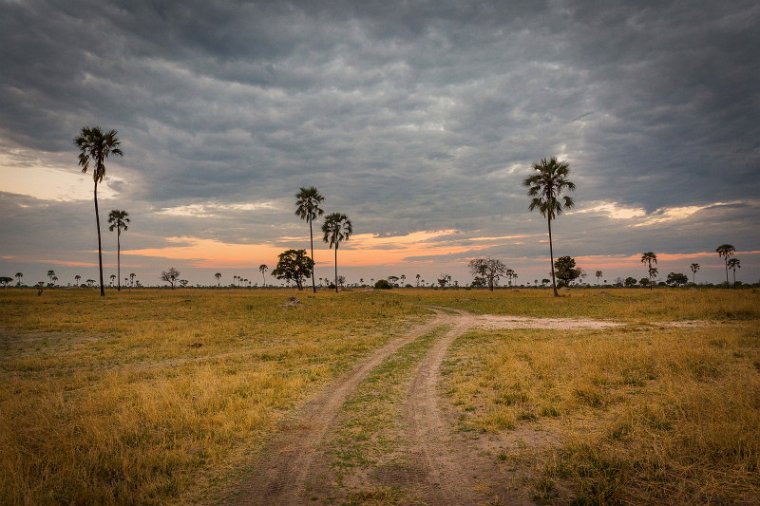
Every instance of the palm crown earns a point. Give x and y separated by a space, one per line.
547 185
95 146
307 204
119 220
337 228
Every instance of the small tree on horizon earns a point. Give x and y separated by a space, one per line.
263 270
726 251
490 269
734 264
19 276
118 221
694 268
599 275
170 276
545 188
218 277
294 265
650 258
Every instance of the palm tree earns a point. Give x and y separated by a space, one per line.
694 268
77 278
545 188
218 277
307 208
132 277
94 147
650 258
726 251
599 275
51 275
337 227
417 277
118 220
19 275
113 278
734 264
263 270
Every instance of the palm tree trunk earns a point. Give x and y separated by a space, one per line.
118 259
727 272
100 246
311 237
551 257
264 278
336 267
734 285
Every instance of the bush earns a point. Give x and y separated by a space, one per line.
383 284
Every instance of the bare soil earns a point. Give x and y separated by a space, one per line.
440 465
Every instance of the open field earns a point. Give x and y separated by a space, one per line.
158 396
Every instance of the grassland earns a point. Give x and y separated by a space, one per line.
158 396
155 396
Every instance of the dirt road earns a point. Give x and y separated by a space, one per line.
440 466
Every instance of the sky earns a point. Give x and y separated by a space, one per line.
419 120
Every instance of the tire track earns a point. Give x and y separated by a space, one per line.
281 473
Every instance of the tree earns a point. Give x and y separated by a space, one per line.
118 220
4 280
734 264
393 280
545 281
112 277
307 208
645 282
510 273
629 281
90 282
263 270
337 228
183 283
565 270
650 258
417 277
444 279
599 275
170 276
726 251
382 284
341 281
94 147
51 275
18 276
694 268
294 265
218 277
490 269
676 279
132 277
545 188
77 278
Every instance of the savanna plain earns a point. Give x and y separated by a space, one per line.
602 396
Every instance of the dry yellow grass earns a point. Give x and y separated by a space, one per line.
636 415
156 396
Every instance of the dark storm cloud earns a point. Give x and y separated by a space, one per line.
408 116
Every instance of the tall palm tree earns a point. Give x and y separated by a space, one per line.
726 251
218 277
94 147
19 275
337 228
734 264
599 275
132 277
545 188
263 270
118 220
694 268
650 258
51 275
307 208
77 278
417 277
